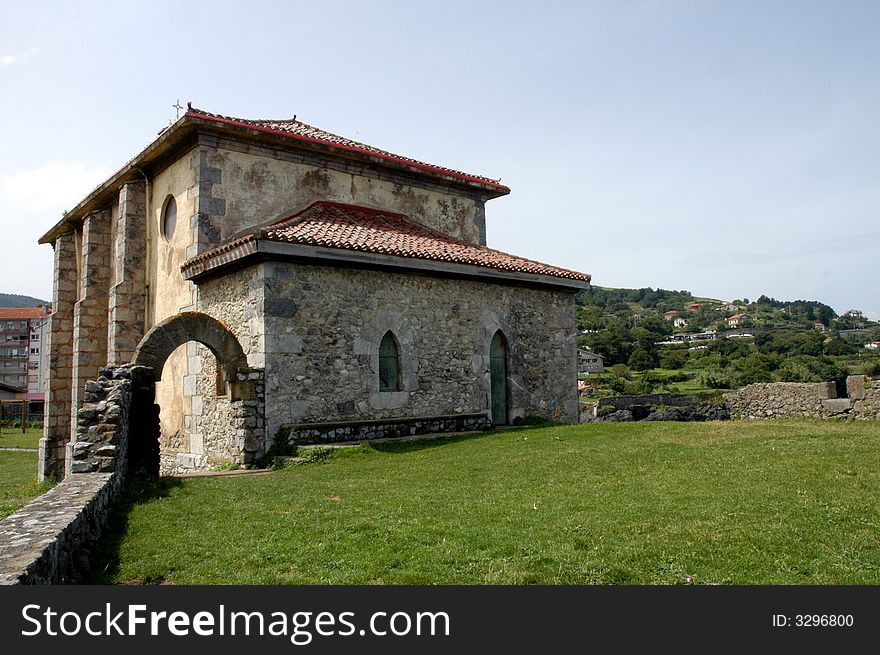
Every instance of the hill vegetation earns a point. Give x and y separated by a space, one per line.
16 300
655 339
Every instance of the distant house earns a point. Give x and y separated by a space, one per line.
695 305
853 313
680 322
820 327
671 314
873 345
590 362
8 392
737 320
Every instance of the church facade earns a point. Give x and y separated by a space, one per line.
343 291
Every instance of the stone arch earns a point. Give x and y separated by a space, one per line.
158 344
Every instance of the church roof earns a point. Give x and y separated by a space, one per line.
284 133
340 227
300 131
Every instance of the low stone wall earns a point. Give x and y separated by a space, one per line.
815 400
626 402
50 540
317 433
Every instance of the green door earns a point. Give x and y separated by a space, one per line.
498 379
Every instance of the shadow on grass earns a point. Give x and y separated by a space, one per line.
105 562
413 445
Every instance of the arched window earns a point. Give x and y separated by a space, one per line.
389 363
169 218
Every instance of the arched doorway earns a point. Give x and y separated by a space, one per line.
498 379
166 336
211 407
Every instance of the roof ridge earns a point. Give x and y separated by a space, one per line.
307 132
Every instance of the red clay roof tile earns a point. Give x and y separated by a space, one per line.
22 313
299 130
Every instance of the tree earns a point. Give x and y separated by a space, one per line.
641 360
838 346
673 359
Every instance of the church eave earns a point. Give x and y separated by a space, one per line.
251 249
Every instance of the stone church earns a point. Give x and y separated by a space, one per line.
288 285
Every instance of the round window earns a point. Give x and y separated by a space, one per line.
169 218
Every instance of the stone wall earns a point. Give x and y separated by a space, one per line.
318 433
50 540
796 399
56 421
210 427
323 326
128 295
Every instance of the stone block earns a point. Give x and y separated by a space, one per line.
837 405
826 390
855 387
83 467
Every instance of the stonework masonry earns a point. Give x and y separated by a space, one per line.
323 326
50 540
56 424
816 400
127 301
90 311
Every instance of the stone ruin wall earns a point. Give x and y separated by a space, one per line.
815 400
49 541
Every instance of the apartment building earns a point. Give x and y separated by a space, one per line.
23 353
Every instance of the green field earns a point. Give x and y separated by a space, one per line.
786 502
18 480
14 438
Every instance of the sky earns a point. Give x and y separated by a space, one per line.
728 148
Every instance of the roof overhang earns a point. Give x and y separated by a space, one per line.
253 250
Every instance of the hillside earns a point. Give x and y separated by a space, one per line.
678 342
16 300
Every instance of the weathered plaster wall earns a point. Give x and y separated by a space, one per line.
324 326
258 185
169 293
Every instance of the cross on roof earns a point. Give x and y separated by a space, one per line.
178 107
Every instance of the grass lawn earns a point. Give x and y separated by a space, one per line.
18 480
14 438
782 502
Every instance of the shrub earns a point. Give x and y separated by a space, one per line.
673 359
316 454
621 371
